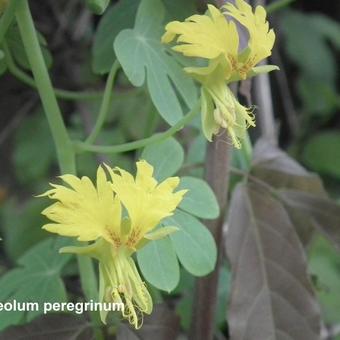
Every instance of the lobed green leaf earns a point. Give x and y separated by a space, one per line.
200 199
145 60
37 279
166 157
193 243
158 264
118 17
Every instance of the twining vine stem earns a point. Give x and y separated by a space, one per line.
105 106
26 79
158 137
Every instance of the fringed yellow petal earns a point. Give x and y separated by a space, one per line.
206 36
144 175
146 201
261 39
214 36
83 210
161 233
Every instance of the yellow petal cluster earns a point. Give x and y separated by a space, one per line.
214 37
118 213
205 36
261 39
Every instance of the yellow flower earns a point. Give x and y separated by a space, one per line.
215 38
261 39
214 35
205 36
94 213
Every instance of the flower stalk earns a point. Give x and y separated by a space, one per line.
157 137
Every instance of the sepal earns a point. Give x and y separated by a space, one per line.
161 233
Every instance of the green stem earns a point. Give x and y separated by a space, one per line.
7 18
158 137
26 79
105 106
277 5
65 152
32 47
60 93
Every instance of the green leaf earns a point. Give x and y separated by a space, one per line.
32 158
327 27
270 283
307 38
158 263
318 97
118 17
128 106
322 153
179 9
306 44
21 226
121 16
166 157
144 59
200 199
37 279
324 263
194 244
17 49
195 156
197 150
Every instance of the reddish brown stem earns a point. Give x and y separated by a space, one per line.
217 175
